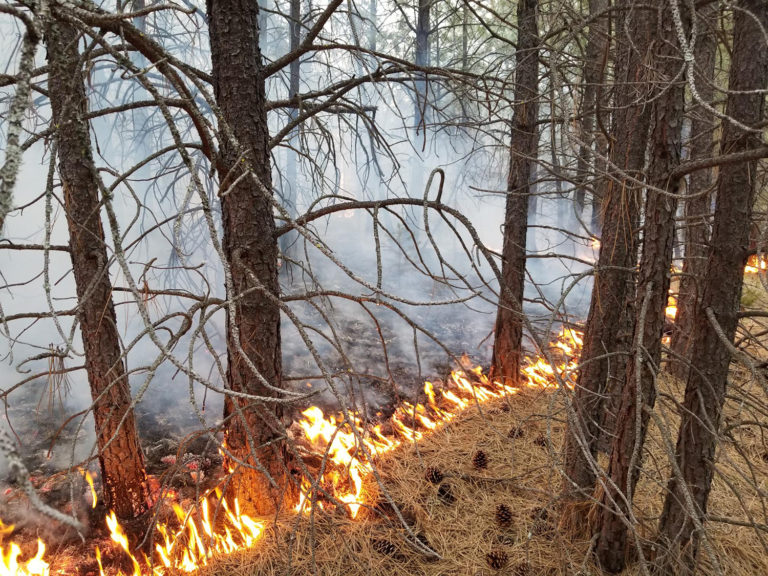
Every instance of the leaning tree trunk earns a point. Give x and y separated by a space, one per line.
252 425
698 198
680 528
617 259
523 148
120 456
639 388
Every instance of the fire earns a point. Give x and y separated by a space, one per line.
10 565
342 441
753 267
671 310
347 445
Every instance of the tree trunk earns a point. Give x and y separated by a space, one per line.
594 68
698 201
679 528
423 28
291 190
120 456
652 289
523 148
253 336
618 254
372 29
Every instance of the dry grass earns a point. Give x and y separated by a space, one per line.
519 474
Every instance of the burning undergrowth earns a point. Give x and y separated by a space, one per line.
194 523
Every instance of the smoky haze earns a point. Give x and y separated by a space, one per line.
168 248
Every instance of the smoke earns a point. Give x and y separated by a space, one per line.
443 292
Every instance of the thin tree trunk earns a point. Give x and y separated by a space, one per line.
253 336
120 456
423 28
618 254
639 388
522 153
465 37
698 202
291 191
372 29
679 527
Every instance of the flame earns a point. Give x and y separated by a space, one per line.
341 441
347 445
10 565
671 310
89 479
753 267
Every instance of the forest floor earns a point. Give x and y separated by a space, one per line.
521 436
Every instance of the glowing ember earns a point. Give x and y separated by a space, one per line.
347 445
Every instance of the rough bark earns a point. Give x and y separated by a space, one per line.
706 386
522 154
594 67
120 456
697 207
639 387
253 335
618 253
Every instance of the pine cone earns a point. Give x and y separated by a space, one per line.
516 432
497 558
540 441
503 516
445 493
433 475
385 547
480 460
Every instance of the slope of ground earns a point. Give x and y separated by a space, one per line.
457 517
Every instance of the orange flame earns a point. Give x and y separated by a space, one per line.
348 445
11 565
753 267
671 310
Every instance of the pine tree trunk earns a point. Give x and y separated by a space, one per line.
617 259
594 68
120 456
706 386
639 387
698 201
522 153
253 335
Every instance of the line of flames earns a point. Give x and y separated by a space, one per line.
195 542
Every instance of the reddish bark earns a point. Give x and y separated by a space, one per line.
618 253
706 386
522 154
252 425
639 389
699 198
120 456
